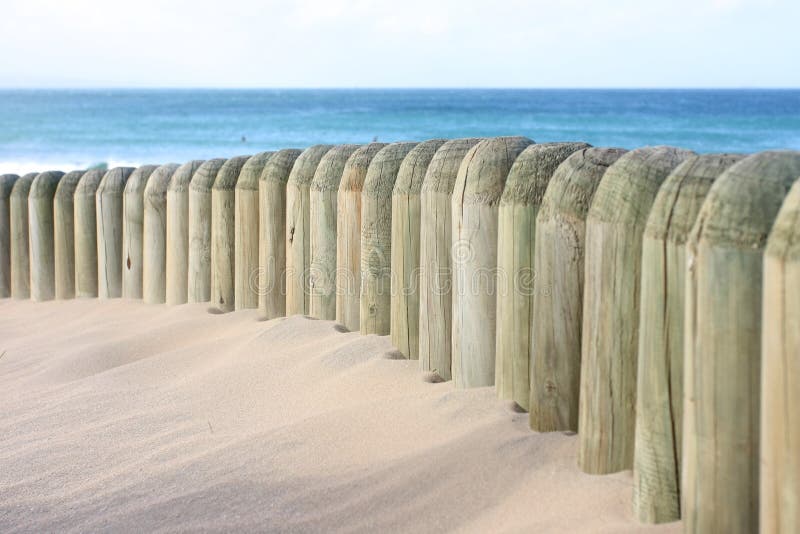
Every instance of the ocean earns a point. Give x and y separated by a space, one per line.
70 129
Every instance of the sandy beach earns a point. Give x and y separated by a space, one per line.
122 416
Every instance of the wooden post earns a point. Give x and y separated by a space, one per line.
558 301
42 241
780 349
64 235
323 235
20 243
132 228
154 235
272 233
722 365
109 205
177 276
86 283
223 254
516 283
199 276
298 231
610 333
7 182
475 207
406 213
659 397
348 236
435 299
376 238
246 232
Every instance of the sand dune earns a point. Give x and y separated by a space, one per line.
118 415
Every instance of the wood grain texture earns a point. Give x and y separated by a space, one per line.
323 217
223 213
154 235
246 232
86 283
298 229
558 302
348 236
722 365
41 234
516 239
610 335
199 277
376 238
64 235
435 299
177 268
780 373
659 397
405 246
272 233
7 182
475 209
132 231
20 242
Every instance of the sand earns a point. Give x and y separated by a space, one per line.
122 416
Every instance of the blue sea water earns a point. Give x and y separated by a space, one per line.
68 129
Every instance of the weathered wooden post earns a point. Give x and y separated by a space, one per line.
109 205
435 299
323 216
6 185
475 208
348 236
558 301
376 238
20 242
516 283
659 397
610 333
223 253
272 233
722 365
132 228
298 231
405 269
246 232
780 389
154 235
42 241
64 234
177 275
199 276
86 283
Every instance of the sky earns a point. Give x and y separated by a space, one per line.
401 43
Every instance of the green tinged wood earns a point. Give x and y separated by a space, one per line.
659 397
323 234
435 299
475 209
6 185
348 236
85 213
133 230
272 232
405 268
64 235
516 239
41 234
610 334
722 365
376 238
199 277
177 260
20 242
298 229
154 235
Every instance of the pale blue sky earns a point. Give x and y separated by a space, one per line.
401 43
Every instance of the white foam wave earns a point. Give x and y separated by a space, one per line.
24 167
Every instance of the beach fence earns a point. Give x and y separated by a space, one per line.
645 299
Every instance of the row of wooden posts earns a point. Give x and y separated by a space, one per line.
647 300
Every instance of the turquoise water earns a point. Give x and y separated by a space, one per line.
67 129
